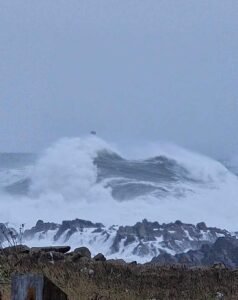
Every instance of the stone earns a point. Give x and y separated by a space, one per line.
219 266
117 261
91 272
18 249
83 251
99 257
60 249
219 296
51 257
222 254
78 258
141 250
74 226
140 239
202 226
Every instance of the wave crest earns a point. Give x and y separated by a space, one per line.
87 178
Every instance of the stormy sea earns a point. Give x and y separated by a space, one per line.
90 179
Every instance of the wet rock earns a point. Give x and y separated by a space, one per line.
144 238
40 227
202 226
74 226
141 250
223 253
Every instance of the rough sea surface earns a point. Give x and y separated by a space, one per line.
87 178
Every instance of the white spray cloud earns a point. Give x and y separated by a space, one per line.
64 186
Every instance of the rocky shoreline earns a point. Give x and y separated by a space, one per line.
143 242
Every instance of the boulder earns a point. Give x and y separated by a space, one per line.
78 258
202 226
51 257
18 249
117 261
223 253
73 226
83 252
99 257
60 249
219 266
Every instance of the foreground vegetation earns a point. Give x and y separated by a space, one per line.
83 277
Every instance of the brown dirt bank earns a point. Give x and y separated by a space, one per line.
86 278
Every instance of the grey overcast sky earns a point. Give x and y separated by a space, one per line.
133 70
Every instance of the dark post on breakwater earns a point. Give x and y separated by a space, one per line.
35 287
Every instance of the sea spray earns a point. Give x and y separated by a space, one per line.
89 179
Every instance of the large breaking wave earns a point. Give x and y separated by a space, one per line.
89 179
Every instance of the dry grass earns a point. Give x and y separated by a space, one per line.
98 280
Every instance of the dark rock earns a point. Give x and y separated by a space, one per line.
223 253
99 257
57 256
51 257
40 227
84 260
178 222
145 239
98 230
73 226
142 237
19 249
83 252
60 249
117 261
175 236
45 258
129 239
141 250
70 233
77 258
165 258
201 226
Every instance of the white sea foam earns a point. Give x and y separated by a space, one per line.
64 186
